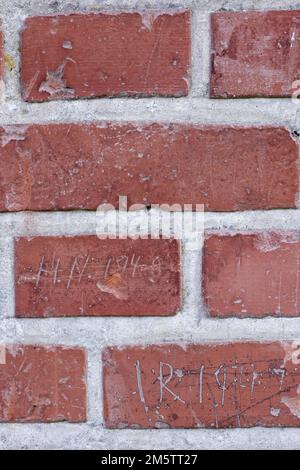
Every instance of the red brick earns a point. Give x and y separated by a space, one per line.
252 275
126 54
73 276
79 166
43 384
255 53
209 385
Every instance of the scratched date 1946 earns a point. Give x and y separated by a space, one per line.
209 385
72 276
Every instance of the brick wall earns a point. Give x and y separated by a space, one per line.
138 343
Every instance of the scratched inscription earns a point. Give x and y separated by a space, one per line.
85 275
80 268
233 385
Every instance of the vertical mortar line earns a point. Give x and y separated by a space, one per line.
94 385
191 286
200 70
12 23
203 313
7 293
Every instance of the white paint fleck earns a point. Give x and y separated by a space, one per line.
67 45
13 133
293 403
55 84
275 412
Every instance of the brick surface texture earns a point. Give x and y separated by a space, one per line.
226 169
43 384
252 275
127 54
255 53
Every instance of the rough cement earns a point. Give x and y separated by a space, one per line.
191 324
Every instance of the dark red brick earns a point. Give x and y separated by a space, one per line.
73 276
209 385
79 166
43 384
255 53
252 274
106 54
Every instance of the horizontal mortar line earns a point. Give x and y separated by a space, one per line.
200 5
127 342
197 110
87 217
100 431
45 330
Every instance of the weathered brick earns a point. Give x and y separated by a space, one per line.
42 384
209 385
252 274
255 53
79 166
131 54
72 276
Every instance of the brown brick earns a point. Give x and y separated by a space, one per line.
255 53
252 274
196 386
106 54
73 276
42 384
79 166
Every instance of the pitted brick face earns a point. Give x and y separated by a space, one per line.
195 386
107 54
255 53
85 276
252 275
42 384
80 166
